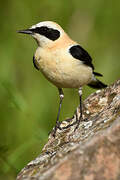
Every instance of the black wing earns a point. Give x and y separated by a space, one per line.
79 53
34 63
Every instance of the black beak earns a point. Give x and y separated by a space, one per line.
26 31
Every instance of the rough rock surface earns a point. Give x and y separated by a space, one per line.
92 152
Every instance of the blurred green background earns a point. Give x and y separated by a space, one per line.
28 102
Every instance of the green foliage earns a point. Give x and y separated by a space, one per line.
28 102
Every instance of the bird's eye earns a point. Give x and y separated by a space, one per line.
44 28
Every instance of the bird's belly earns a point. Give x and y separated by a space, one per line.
65 74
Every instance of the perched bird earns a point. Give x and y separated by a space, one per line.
62 61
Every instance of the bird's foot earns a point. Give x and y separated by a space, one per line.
78 120
57 126
68 121
69 125
78 123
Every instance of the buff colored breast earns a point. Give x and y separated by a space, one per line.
62 69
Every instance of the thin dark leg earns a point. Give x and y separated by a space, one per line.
80 98
77 120
57 125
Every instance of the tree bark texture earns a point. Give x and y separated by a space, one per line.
92 152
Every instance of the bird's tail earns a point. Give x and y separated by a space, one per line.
95 83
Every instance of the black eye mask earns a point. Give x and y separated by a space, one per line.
50 33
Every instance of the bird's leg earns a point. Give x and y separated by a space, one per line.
57 125
80 99
77 120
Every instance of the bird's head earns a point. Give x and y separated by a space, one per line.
45 33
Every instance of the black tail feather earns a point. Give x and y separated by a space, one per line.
97 84
97 74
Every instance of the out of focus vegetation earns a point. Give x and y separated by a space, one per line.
28 102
